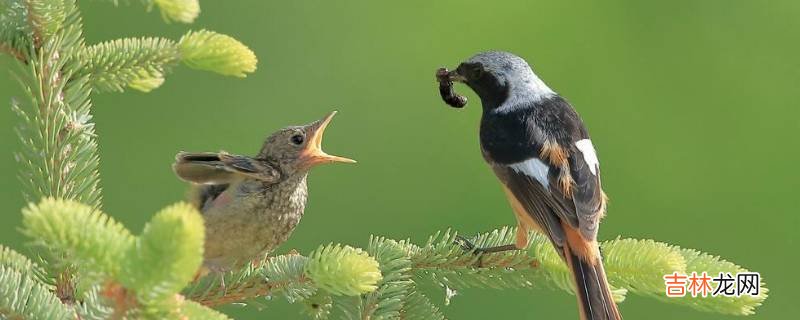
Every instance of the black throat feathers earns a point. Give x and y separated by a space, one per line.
512 134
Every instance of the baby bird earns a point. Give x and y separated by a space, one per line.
251 205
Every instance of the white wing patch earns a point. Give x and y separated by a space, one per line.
533 168
589 155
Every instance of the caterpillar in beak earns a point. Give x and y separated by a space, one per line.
449 96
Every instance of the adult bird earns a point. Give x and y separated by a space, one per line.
539 148
252 204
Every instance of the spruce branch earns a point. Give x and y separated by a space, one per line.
139 276
639 265
343 270
46 17
332 269
170 264
388 300
195 311
211 51
13 260
11 50
419 307
93 306
59 151
15 32
139 63
82 235
633 265
318 306
697 261
24 297
178 10
276 275
142 63
87 251
184 11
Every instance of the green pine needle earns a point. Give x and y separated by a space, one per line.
343 270
285 270
171 248
318 306
280 275
59 153
211 51
388 300
178 10
632 265
15 261
698 262
94 306
195 311
23 297
46 16
85 236
16 35
639 265
419 307
138 63
184 11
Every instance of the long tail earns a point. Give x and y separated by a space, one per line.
591 287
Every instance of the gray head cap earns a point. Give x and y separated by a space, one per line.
500 61
523 83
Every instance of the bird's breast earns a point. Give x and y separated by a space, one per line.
507 138
255 221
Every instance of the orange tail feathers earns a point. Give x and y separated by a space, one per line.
595 301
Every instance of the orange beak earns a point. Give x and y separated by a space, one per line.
313 154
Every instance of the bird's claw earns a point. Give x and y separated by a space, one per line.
466 244
470 247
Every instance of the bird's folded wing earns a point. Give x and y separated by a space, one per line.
537 202
222 168
550 194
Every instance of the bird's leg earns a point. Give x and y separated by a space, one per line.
468 246
221 272
222 283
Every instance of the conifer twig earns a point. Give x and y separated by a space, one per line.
7 48
635 266
59 159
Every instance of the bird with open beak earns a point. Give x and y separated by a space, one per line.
252 204
540 150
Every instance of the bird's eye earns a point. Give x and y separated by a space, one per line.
297 139
476 72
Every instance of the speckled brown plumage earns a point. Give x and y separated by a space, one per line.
256 220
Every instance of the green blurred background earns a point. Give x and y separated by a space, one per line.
691 104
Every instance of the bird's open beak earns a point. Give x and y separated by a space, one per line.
313 154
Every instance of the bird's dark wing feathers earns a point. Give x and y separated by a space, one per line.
536 201
215 172
222 168
574 194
